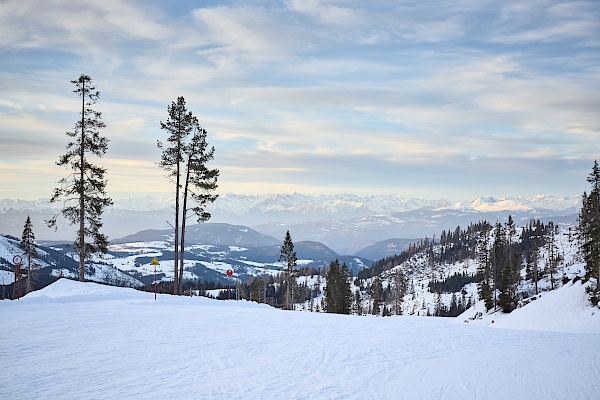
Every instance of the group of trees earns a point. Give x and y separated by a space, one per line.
501 255
453 246
184 157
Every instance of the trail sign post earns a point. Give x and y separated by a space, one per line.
229 273
17 261
154 262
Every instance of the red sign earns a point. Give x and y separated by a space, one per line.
17 260
229 272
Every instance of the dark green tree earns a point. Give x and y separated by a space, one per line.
439 308
553 256
358 307
484 268
338 295
510 273
289 259
199 183
179 125
28 246
83 190
399 288
589 230
377 294
499 259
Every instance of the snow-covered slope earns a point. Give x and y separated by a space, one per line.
566 309
83 340
57 262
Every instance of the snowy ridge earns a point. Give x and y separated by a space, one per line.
240 204
360 219
519 203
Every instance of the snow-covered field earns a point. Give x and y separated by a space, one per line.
76 340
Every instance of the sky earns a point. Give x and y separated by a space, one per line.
425 99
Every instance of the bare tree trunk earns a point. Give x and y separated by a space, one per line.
183 219
28 286
81 188
176 242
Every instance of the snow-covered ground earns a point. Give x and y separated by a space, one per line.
76 340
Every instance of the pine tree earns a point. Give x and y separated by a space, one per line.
499 259
589 230
83 190
377 290
440 308
199 183
28 246
185 159
179 126
345 290
398 290
338 295
288 257
358 307
552 250
484 268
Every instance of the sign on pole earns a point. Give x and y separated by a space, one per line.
155 263
229 273
17 261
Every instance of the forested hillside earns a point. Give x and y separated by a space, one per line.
504 265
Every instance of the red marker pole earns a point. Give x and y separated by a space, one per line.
229 273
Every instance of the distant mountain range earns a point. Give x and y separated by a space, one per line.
346 223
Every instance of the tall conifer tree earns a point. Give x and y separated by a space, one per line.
484 269
28 246
84 190
338 295
289 259
589 229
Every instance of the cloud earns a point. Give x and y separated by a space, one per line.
340 95
76 27
328 13
548 21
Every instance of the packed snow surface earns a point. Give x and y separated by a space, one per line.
76 340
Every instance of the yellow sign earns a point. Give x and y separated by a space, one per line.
154 261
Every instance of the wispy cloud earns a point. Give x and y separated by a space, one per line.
313 96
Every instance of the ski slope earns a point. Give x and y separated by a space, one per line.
76 340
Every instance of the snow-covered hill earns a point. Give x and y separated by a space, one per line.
422 272
54 262
566 309
76 340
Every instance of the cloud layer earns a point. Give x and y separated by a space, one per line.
425 99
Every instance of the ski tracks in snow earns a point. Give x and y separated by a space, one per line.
134 347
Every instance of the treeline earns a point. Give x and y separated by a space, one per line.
452 284
453 246
458 305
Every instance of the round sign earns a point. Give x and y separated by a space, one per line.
229 272
17 260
